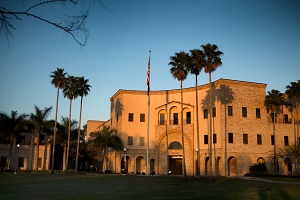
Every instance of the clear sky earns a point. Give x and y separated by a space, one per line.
260 40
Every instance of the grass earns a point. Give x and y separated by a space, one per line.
117 186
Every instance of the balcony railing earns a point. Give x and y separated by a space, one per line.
173 122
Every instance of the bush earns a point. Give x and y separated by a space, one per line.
258 169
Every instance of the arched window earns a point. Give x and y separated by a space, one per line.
175 145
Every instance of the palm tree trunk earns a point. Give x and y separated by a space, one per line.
69 135
210 125
54 134
64 156
182 135
103 160
37 151
78 137
198 137
275 157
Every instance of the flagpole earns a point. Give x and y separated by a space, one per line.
148 124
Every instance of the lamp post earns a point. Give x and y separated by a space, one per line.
17 162
125 170
197 163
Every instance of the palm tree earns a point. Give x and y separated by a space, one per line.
70 91
104 140
293 93
12 125
273 101
41 125
195 67
179 64
58 78
83 90
213 61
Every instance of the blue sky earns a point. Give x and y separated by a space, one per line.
260 40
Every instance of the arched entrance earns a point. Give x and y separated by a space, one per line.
125 163
152 164
175 161
232 166
207 166
287 166
218 166
140 164
274 166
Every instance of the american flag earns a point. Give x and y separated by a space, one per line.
148 74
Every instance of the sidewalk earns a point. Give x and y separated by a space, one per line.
263 180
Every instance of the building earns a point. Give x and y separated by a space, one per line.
241 126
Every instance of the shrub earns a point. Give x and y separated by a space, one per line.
258 169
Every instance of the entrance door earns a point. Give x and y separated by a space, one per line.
175 164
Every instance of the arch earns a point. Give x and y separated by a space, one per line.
175 145
207 166
232 166
287 166
125 164
187 115
162 117
152 164
274 165
174 119
140 164
260 160
218 165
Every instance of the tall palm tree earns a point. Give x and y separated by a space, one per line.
179 64
293 92
12 125
103 140
213 61
58 78
83 90
70 91
41 126
273 101
197 62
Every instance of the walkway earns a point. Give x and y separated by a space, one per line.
263 180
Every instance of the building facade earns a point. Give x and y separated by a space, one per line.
241 130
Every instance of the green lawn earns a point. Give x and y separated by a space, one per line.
97 186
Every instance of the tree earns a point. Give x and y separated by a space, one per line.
197 62
71 92
292 152
83 90
273 101
213 61
103 140
293 93
41 125
179 64
58 78
12 125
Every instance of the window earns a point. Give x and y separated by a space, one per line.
257 113
175 118
130 117
188 117
245 138
259 139
142 141
230 137
205 139
214 112
175 145
272 140
205 113
215 138
161 119
21 162
272 115
130 140
230 113
286 118
142 117
3 161
244 111
286 140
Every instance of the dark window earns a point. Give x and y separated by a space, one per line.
130 117
215 138
188 117
175 145
3 161
259 139
272 115
244 111
205 113
175 118
272 140
257 113
230 137
214 112
130 140
230 112
162 119
42 139
21 139
21 162
205 139
142 141
245 138
286 118
142 117
286 140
